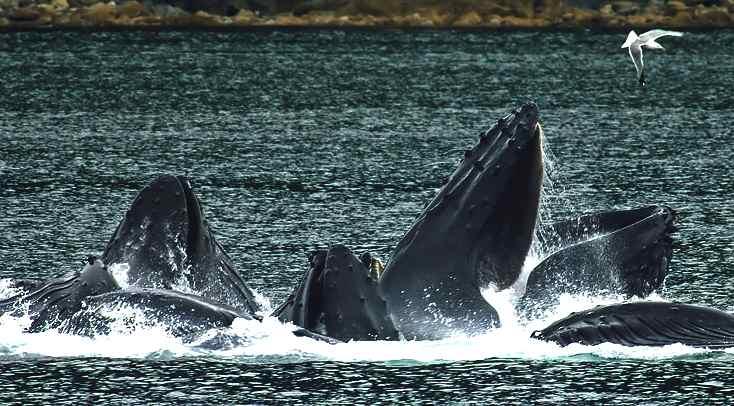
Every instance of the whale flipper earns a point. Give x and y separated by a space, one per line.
338 297
476 232
167 244
623 252
644 324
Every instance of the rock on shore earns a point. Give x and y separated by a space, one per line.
29 14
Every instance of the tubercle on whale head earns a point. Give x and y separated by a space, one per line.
487 170
493 154
93 263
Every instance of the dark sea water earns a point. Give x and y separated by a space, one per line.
297 139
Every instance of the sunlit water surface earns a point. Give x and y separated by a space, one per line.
298 139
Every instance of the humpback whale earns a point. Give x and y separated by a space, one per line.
168 247
644 324
474 234
338 297
167 243
183 315
58 299
621 252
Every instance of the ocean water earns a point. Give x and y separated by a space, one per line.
296 139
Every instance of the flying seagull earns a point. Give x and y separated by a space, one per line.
646 40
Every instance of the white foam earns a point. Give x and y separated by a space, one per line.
273 340
263 302
120 273
7 290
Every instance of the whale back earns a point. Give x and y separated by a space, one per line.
182 315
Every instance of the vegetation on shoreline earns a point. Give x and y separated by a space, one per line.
33 14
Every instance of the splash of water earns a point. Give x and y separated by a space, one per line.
8 289
552 191
120 273
272 340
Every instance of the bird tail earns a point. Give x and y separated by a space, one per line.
631 37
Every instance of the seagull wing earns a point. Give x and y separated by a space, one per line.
636 55
652 35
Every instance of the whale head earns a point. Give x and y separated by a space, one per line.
154 238
166 241
476 232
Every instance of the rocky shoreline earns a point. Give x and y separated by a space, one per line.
74 14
